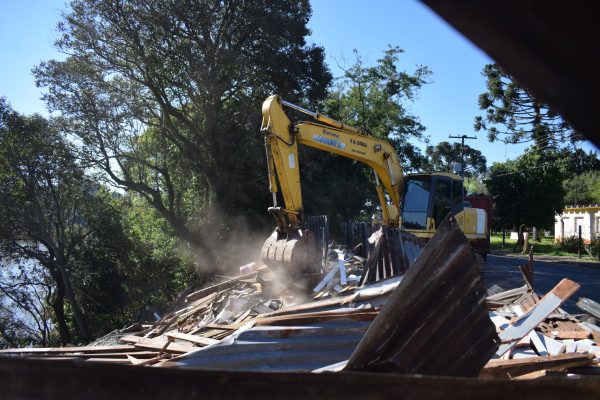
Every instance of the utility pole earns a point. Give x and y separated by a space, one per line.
462 150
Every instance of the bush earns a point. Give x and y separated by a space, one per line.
594 247
569 243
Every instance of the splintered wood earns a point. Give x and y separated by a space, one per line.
431 318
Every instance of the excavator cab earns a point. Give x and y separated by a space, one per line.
428 198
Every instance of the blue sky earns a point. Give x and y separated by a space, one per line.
447 106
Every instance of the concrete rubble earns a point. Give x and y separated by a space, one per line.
431 317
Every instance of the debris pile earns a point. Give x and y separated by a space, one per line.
434 318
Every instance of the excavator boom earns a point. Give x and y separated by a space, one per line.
290 246
429 197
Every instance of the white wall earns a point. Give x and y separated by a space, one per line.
568 223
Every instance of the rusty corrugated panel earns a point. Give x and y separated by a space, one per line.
280 348
435 322
393 254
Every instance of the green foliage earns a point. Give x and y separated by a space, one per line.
583 189
130 265
515 115
569 243
445 154
371 97
165 97
42 192
546 246
582 172
475 185
594 248
527 190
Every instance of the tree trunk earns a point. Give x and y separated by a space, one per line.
525 242
58 306
536 234
77 314
520 239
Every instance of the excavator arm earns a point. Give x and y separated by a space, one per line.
281 142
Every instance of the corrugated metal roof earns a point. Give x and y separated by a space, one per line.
280 348
436 321
433 321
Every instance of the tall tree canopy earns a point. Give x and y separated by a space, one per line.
515 115
582 176
583 189
42 193
527 190
373 97
443 155
165 96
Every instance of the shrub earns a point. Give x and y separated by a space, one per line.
569 243
594 247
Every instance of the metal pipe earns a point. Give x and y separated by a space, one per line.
322 118
301 109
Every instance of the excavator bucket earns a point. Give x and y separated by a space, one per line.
294 253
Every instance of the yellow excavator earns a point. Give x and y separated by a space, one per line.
416 203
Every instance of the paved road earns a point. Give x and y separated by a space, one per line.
503 271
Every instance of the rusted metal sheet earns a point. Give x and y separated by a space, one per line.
280 348
435 322
393 253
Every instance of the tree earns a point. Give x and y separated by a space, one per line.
527 190
445 154
26 291
515 115
577 161
130 261
165 97
476 185
371 97
583 189
42 192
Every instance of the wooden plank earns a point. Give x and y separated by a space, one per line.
203 341
135 352
553 347
133 360
61 350
538 344
109 360
527 322
511 368
568 330
326 280
228 327
318 316
157 344
220 286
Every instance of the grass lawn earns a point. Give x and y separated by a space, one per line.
546 246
